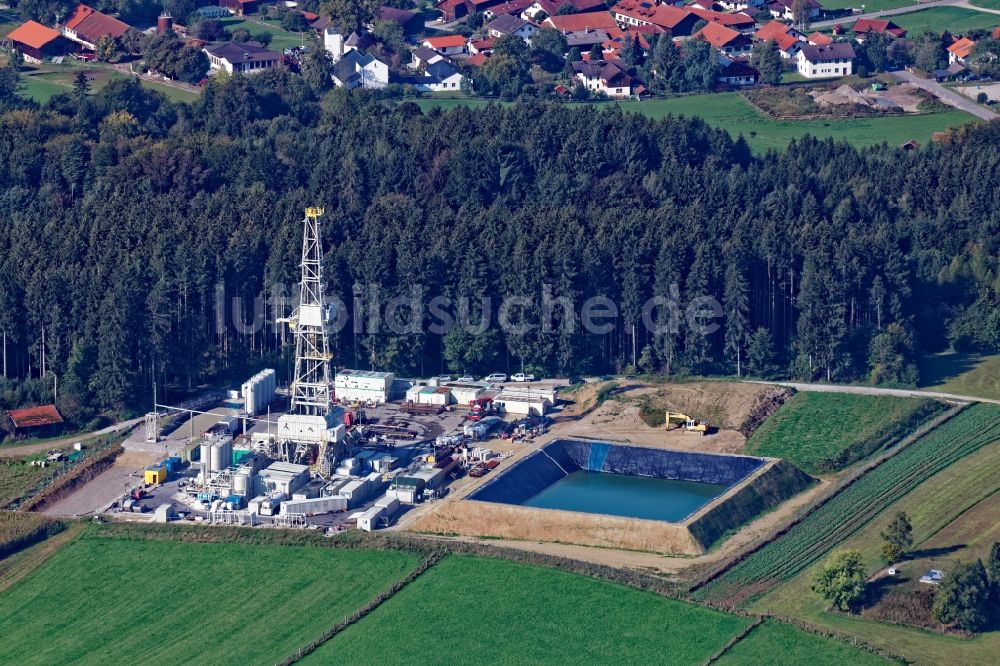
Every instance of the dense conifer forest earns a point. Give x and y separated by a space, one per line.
127 219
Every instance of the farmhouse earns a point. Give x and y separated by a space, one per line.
552 7
863 27
86 26
819 39
440 77
241 58
37 42
816 62
738 21
674 21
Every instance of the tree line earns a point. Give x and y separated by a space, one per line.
128 218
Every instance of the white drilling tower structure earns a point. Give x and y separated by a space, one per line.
304 434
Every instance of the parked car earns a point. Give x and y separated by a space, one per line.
521 377
443 378
465 379
495 378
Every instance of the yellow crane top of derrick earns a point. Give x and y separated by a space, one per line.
314 212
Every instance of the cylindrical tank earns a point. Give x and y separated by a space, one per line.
164 24
225 449
250 394
206 454
241 484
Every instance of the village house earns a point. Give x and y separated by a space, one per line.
423 56
358 69
816 62
960 50
452 10
484 46
785 9
603 76
674 21
863 27
567 23
726 40
738 73
819 39
86 26
37 42
512 25
512 7
585 39
440 77
248 58
552 7
787 39
446 45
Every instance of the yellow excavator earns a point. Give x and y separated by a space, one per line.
691 426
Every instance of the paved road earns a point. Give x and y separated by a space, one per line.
969 5
873 390
946 95
845 20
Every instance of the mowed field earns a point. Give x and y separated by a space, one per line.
777 643
954 517
472 610
962 373
812 428
730 112
280 38
44 83
956 20
870 5
104 600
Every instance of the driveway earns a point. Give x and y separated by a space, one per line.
946 95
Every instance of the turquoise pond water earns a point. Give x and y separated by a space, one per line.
629 496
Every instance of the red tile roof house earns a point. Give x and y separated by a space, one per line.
862 27
567 23
726 40
37 42
86 26
960 50
36 421
452 10
447 44
674 21
552 7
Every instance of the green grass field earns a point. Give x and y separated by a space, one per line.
954 518
484 611
41 83
956 20
870 5
280 39
102 600
813 428
986 4
963 374
16 476
730 112
771 640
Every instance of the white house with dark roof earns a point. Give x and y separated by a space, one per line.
509 24
358 69
831 60
248 58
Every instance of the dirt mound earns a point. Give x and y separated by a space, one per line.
725 405
765 404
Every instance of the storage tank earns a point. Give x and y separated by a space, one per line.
241 484
221 455
250 397
206 454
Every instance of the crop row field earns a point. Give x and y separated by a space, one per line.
111 594
853 507
824 432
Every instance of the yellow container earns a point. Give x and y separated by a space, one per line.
155 475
